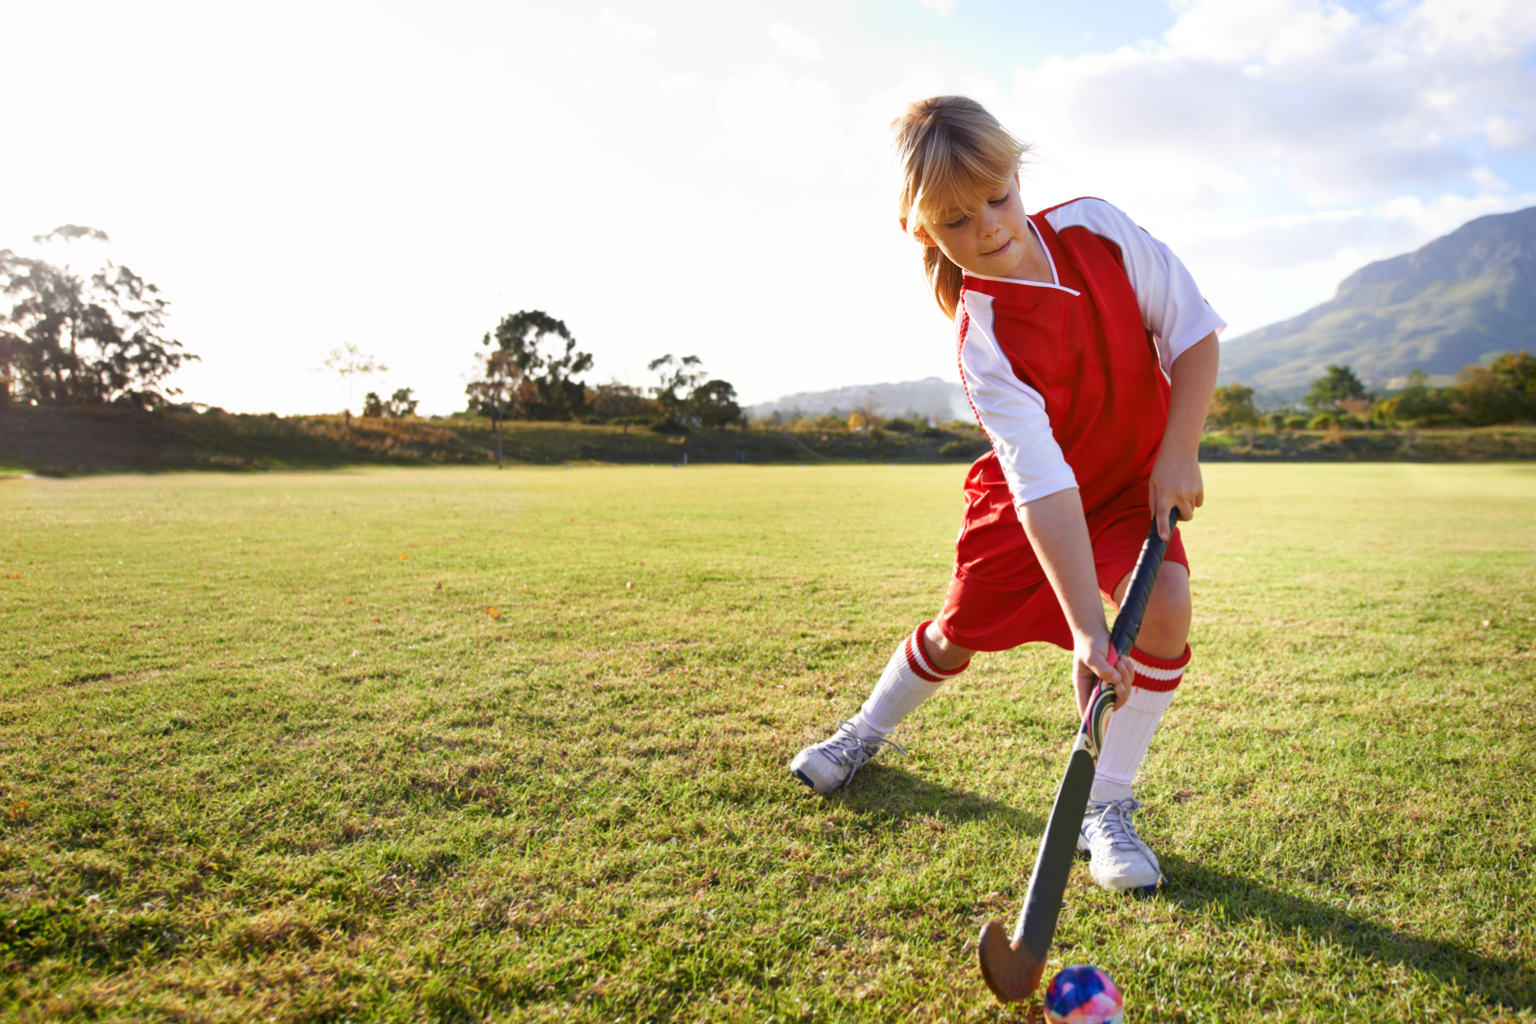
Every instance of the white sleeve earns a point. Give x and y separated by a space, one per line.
1010 411
1172 307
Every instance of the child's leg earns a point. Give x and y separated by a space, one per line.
921 663
915 672
1160 656
1121 861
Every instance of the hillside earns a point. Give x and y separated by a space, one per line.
932 396
1461 299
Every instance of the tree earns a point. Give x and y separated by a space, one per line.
678 378
714 403
399 405
866 415
70 339
523 337
1337 384
619 402
497 389
1517 369
1232 406
1418 403
1502 392
349 363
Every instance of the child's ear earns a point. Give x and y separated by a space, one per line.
919 234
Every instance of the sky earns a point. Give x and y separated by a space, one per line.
716 179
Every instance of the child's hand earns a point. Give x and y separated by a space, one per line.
1090 663
1176 483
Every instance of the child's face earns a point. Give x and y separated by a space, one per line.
995 241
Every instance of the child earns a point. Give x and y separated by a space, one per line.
1089 358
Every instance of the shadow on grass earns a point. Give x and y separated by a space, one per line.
885 792
1507 983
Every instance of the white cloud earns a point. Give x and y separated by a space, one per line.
795 41
1280 144
1296 95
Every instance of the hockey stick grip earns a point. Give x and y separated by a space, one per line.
1134 605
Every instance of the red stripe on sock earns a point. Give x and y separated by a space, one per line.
916 640
916 662
1146 660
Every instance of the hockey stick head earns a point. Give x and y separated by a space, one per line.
1010 970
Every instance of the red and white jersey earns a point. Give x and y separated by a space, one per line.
1069 378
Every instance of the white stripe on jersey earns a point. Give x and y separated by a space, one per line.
1010 411
1171 305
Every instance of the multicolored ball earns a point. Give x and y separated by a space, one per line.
1081 994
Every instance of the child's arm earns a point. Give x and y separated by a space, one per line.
1176 480
1058 532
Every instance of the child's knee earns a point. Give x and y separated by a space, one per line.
1165 626
1170 594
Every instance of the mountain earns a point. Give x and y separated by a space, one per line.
1460 299
933 396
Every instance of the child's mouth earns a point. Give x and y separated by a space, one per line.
1000 249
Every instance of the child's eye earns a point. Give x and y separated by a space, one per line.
957 223
999 201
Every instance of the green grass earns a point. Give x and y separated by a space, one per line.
256 765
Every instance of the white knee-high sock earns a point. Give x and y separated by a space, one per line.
1131 728
908 680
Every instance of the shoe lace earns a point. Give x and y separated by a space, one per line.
1114 818
854 750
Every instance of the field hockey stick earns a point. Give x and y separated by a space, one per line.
1013 966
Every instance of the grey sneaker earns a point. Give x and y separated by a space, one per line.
1120 860
831 764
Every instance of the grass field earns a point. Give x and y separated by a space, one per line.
405 744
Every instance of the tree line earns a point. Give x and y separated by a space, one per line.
1502 392
98 337
83 338
528 372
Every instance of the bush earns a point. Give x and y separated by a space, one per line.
1296 422
1488 397
900 426
1276 421
1419 404
668 426
1232 407
932 432
957 450
1322 421
876 434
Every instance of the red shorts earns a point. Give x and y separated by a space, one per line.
999 597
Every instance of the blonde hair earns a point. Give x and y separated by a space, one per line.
953 156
